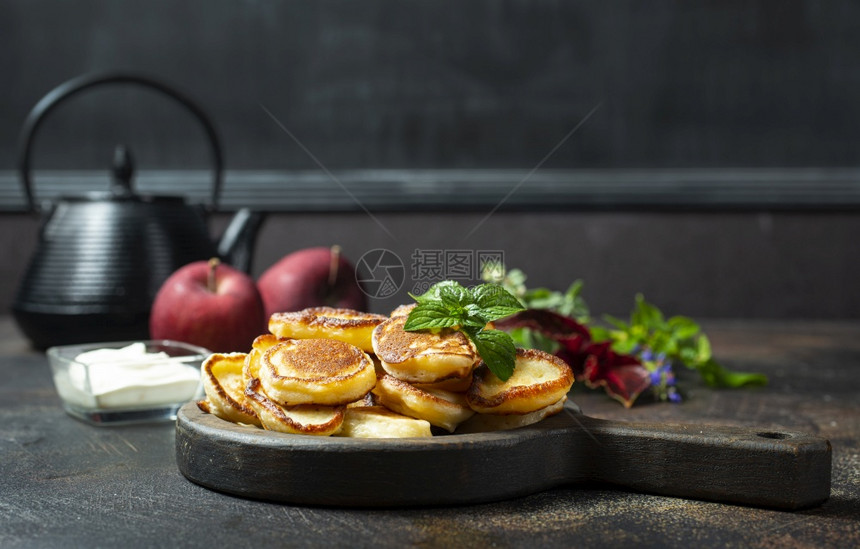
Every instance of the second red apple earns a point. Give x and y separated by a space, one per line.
312 277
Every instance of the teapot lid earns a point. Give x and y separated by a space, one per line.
122 188
123 170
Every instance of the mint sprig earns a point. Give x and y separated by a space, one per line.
497 350
448 304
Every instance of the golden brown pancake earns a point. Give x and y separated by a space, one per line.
453 384
422 357
307 419
365 402
225 389
347 325
440 408
380 422
480 423
403 310
259 347
315 371
539 380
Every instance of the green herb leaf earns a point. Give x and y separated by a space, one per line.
495 302
517 277
616 322
717 376
703 349
624 346
475 317
429 315
645 314
450 305
433 291
676 339
497 350
600 333
576 307
531 339
683 327
454 296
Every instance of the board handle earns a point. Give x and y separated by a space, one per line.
778 469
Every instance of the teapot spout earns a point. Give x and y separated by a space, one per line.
240 238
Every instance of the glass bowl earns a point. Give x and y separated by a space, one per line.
126 382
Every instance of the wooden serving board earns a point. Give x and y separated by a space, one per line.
783 470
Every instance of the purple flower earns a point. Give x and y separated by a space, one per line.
670 375
663 376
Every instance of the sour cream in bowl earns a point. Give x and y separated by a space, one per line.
127 382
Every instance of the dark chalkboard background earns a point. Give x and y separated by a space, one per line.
446 85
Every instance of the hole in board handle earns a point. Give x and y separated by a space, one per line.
774 435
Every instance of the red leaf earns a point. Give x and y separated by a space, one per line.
544 321
622 376
565 330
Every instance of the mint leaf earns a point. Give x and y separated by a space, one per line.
455 297
429 315
493 295
449 305
433 291
423 298
497 350
495 302
474 316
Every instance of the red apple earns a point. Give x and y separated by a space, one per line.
312 277
211 305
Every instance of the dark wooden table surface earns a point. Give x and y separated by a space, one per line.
64 483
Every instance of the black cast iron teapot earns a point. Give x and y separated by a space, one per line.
102 257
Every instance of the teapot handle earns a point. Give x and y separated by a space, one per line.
81 83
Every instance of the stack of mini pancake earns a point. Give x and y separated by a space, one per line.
327 371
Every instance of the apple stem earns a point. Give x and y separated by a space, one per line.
210 280
333 265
